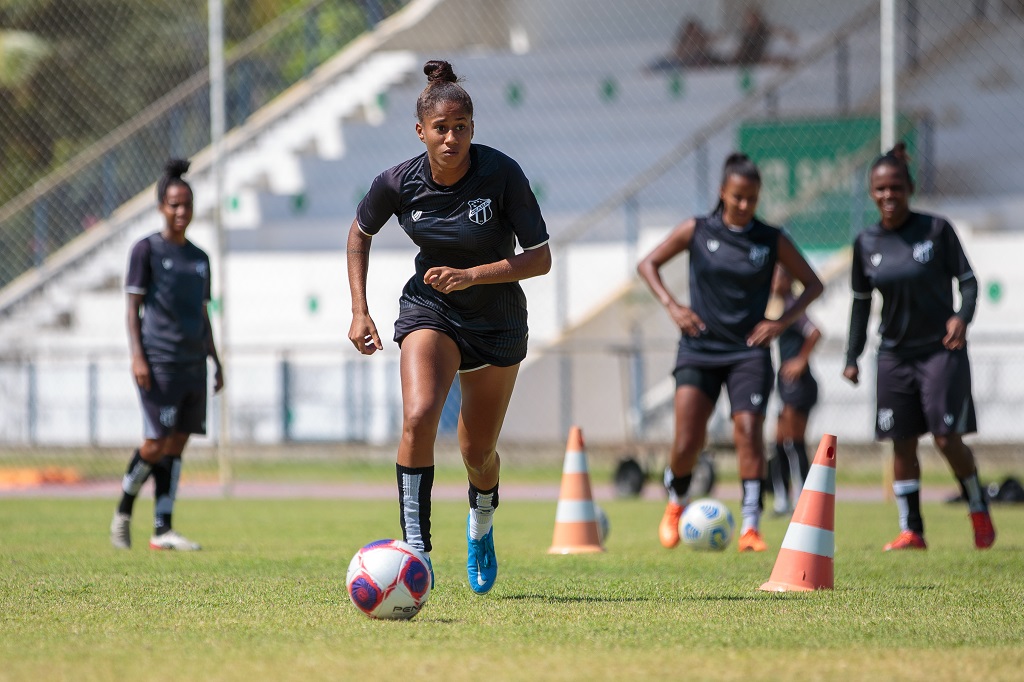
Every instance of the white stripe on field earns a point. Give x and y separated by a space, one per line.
575 511
821 479
575 462
804 538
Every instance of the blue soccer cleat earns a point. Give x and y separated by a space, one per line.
481 563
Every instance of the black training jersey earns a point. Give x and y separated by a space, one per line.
913 267
792 338
730 283
474 222
174 281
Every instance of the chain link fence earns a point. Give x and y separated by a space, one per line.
620 114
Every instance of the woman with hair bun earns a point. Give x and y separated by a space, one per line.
466 206
170 338
725 337
924 374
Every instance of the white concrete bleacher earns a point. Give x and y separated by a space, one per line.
574 164
272 158
573 161
296 189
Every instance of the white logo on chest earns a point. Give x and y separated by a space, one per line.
713 245
759 255
416 215
876 258
479 210
923 251
201 269
167 263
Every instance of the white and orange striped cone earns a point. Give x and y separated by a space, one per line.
805 560
576 530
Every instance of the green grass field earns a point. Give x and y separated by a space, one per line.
265 600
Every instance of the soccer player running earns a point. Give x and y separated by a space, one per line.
924 374
170 339
725 337
463 313
798 394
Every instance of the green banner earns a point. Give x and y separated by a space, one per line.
814 174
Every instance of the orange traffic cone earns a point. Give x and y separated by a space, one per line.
805 560
576 530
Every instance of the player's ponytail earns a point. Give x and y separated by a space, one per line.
173 170
442 86
739 164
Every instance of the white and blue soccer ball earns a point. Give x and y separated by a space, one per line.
388 579
706 524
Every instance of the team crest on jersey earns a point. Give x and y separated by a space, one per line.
876 258
713 245
416 215
924 251
947 419
756 399
167 263
479 210
201 269
759 255
885 419
168 415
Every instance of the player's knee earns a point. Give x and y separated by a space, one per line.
419 423
152 451
480 463
951 446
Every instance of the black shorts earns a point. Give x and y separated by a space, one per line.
477 348
801 395
748 382
927 394
175 402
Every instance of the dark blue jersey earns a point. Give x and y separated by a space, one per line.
913 267
174 281
476 221
730 283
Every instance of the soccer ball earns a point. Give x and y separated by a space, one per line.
706 524
388 579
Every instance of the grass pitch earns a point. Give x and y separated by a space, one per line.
265 600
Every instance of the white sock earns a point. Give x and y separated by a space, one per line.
481 518
751 509
903 489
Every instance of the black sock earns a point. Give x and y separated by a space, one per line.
908 503
474 492
161 491
414 487
678 486
800 447
134 476
778 472
974 493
